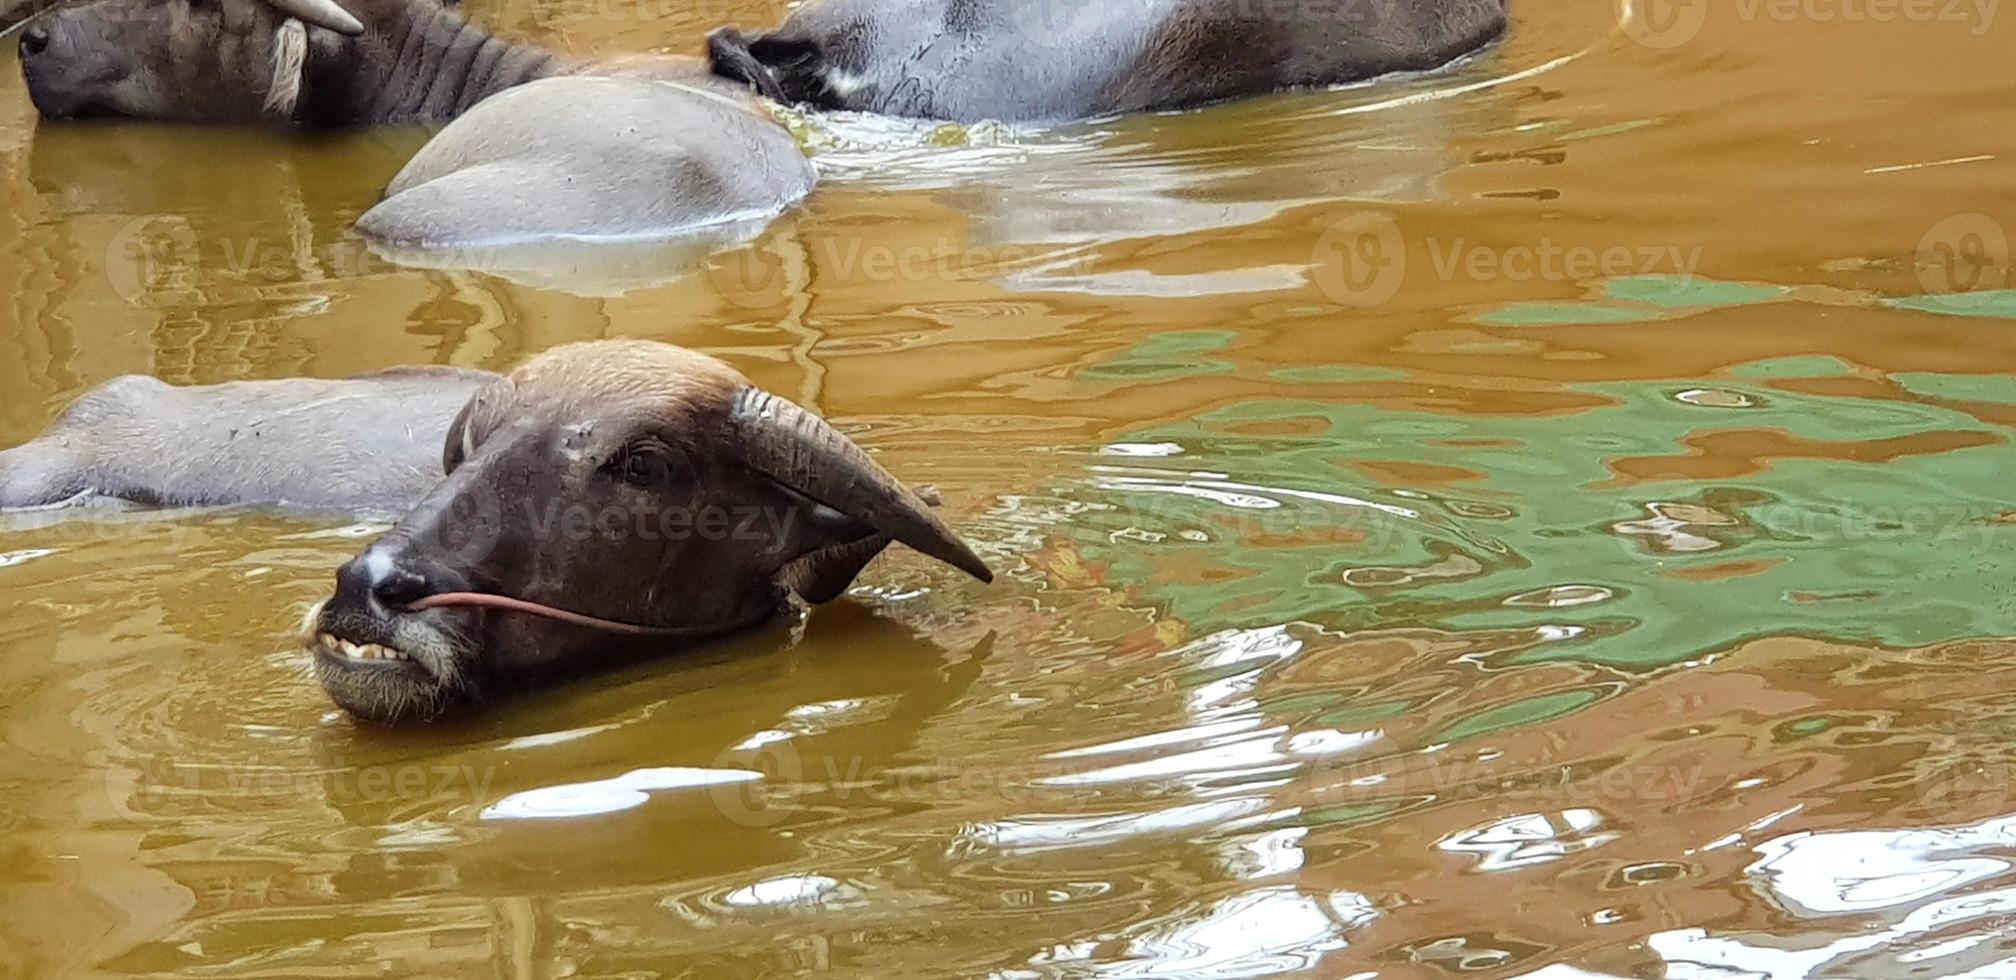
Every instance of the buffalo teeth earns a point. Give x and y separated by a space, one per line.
360 651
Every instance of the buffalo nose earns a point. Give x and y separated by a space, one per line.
379 577
35 39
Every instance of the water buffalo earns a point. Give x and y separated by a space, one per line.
543 146
603 500
305 61
1059 60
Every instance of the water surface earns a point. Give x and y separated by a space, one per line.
1549 519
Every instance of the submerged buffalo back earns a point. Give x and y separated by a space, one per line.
1214 50
946 59
1054 60
650 160
371 443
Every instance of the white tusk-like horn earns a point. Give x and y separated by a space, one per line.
321 13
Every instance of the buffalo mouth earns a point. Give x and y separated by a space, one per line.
729 55
67 94
383 672
53 105
784 70
349 655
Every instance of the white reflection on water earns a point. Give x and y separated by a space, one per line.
1142 449
1154 740
1667 529
25 556
1037 832
1816 875
1531 838
793 890
1136 282
820 718
546 739
824 716
1231 493
1256 650
630 790
1276 853
1266 932
1248 755
1876 903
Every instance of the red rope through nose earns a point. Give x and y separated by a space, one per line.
508 604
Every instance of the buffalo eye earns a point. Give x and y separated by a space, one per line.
644 470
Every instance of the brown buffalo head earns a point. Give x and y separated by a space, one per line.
186 60
604 501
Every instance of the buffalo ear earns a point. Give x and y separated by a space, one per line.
456 448
851 497
826 561
825 575
459 442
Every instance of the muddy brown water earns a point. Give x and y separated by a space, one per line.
1555 518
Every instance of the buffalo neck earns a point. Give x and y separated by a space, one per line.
415 63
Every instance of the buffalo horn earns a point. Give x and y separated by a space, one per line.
321 13
802 453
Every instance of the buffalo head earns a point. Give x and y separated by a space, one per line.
606 500
187 60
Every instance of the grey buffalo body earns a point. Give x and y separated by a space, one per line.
653 158
1056 60
370 444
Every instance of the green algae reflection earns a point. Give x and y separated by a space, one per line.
1274 511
